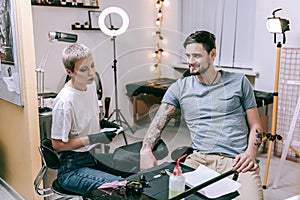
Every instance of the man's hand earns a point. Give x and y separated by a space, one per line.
245 162
104 138
147 160
161 119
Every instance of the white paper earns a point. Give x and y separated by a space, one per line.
215 190
119 130
108 130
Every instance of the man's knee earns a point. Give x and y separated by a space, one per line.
250 185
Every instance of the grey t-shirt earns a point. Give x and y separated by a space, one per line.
215 114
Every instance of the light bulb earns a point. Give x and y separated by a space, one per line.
159 14
166 3
157 5
157 22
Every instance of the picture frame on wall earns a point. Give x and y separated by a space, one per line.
94 2
93 18
10 88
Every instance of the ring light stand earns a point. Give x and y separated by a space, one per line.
113 32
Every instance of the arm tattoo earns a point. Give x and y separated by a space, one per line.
258 139
160 121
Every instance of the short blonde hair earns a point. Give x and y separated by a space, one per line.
71 54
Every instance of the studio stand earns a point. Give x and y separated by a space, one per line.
119 117
40 72
275 25
113 32
273 135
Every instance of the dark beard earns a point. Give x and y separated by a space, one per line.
195 74
199 72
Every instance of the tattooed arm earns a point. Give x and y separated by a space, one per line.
246 161
161 119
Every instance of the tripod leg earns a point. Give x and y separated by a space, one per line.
274 121
111 115
274 113
125 139
117 110
121 117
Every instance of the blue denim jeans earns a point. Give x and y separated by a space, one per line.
78 173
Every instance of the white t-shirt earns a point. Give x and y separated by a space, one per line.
75 114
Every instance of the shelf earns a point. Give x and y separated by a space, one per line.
84 28
68 5
246 71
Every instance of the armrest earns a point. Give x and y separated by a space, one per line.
180 151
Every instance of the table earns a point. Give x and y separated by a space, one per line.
158 186
149 92
144 94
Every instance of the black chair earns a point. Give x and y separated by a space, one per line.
50 160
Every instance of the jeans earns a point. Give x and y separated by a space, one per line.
77 172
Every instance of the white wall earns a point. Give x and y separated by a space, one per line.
134 47
264 47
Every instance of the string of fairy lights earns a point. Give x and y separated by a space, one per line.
159 52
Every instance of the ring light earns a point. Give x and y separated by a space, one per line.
118 11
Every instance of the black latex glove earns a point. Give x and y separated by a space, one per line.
104 138
108 124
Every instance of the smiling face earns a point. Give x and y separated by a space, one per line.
84 73
198 59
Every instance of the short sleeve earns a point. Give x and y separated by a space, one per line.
249 100
61 121
171 95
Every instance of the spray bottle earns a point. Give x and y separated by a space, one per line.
176 180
